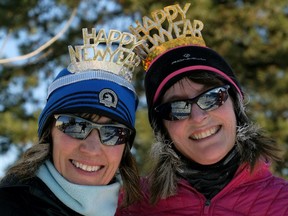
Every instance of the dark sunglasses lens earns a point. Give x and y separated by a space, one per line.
175 111
213 99
74 127
178 110
114 135
80 128
209 101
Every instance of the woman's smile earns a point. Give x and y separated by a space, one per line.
206 133
85 167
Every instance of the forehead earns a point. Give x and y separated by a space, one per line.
184 89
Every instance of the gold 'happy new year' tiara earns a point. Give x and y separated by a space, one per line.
167 29
111 53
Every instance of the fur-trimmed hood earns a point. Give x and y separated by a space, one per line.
251 144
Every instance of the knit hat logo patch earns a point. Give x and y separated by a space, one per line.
108 98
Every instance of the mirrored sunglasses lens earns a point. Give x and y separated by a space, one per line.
114 135
180 110
74 127
212 99
208 101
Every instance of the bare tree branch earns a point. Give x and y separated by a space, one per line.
44 46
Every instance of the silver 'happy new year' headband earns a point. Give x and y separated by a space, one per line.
112 52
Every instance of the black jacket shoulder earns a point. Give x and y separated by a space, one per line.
30 199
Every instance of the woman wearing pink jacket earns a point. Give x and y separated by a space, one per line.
210 159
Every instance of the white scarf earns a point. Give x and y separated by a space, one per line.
84 199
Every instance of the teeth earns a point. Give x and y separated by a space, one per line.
204 134
85 167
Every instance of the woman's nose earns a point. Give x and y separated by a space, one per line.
92 143
197 114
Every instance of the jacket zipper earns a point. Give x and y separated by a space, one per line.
206 206
236 180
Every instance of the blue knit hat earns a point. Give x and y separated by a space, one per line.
95 86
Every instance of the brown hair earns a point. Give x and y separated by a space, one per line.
34 157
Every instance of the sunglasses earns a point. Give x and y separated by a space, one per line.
79 128
181 109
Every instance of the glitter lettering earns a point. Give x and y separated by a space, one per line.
118 48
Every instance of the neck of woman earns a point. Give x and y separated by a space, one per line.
210 179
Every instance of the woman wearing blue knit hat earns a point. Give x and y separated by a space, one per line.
86 131
210 158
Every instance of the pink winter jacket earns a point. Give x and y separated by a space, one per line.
256 194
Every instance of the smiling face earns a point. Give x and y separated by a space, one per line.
206 136
88 161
